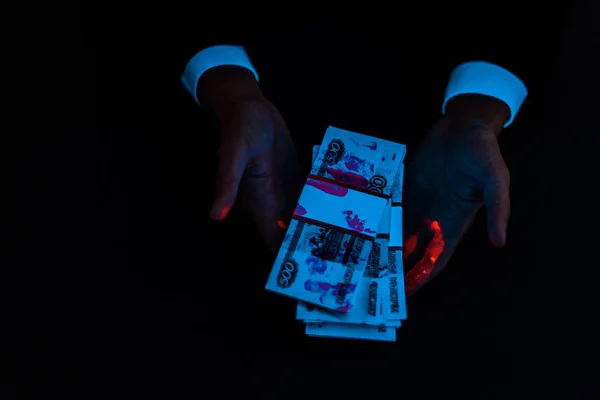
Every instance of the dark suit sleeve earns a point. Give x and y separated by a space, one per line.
141 54
516 40
196 36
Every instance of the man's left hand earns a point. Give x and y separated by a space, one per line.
456 171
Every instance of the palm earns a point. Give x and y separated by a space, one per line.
447 182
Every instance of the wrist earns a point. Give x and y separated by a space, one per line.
470 109
223 87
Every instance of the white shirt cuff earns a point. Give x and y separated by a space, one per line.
213 57
481 77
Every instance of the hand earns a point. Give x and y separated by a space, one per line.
256 155
455 172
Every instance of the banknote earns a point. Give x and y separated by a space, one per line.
396 221
335 255
319 265
366 309
328 242
394 303
383 272
371 300
398 185
348 331
337 206
380 298
393 324
383 275
358 160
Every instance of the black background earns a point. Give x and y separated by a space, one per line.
112 268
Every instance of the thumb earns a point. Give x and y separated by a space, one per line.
232 163
497 202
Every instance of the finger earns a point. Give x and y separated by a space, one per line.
497 203
415 245
417 276
263 198
410 244
422 272
282 225
232 162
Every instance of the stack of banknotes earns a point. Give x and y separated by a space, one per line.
341 257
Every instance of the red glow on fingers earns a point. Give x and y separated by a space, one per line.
282 224
410 245
224 212
419 274
436 245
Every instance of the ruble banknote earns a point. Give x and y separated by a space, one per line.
380 300
327 244
371 298
358 160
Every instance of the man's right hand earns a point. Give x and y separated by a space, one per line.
256 157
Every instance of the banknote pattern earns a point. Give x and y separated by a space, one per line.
380 305
370 301
358 160
335 257
319 265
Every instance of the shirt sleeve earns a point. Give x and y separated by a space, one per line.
482 77
211 57
508 58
